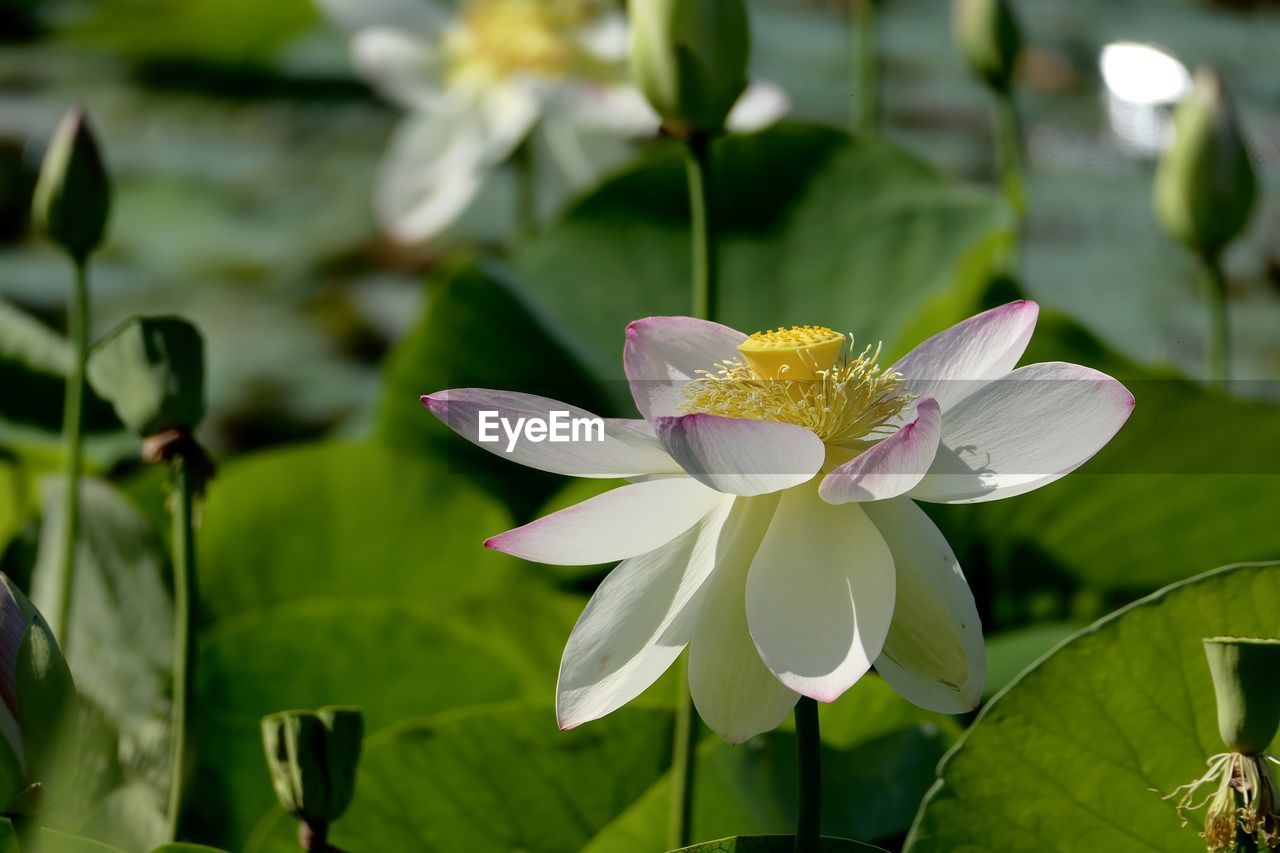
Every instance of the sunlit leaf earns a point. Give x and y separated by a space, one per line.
1077 752
119 648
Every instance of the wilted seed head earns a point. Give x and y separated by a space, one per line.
313 758
73 193
1205 183
989 38
689 58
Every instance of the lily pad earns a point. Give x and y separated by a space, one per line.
391 660
1076 753
34 361
119 646
495 779
772 844
299 524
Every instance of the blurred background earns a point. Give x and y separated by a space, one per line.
243 150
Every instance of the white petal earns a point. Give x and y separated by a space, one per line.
892 466
402 68
422 18
735 693
762 104
508 113
624 452
617 109
740 456
430 174
606 37
635 624
956 362
820 594
934 654
621 523
662 355
1019 433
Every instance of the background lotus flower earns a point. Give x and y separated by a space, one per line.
476 81
770 525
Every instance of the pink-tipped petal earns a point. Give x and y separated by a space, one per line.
958 361
1024 431
636 624
934 654
820 594
891 467
663 354
739 456
614 450
623 522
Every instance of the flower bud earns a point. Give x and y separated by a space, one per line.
73 194
1205 184
313 758
151 369
1246 679
39 723
989 38
689 58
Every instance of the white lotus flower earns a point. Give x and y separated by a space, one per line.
771 525
477 79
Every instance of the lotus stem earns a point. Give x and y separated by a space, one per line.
865 68
1218 350
704 303
1008 134
809 755
184 584
72 437
702 226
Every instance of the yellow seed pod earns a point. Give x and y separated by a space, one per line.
799 353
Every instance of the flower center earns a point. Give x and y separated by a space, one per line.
497 39
805 375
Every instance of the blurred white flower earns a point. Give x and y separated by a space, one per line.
478 79
771 524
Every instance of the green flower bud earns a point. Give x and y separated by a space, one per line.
73 193
1246 679
151 369
989 38
39 711
313 758
689 58
1205 184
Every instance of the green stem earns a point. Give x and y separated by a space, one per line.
1008 133
526 188
704 304
184 586
29 833
78 332
1218 352
865 68
683 764
702 226
809 754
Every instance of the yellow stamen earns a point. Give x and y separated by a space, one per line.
803 376
800 352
